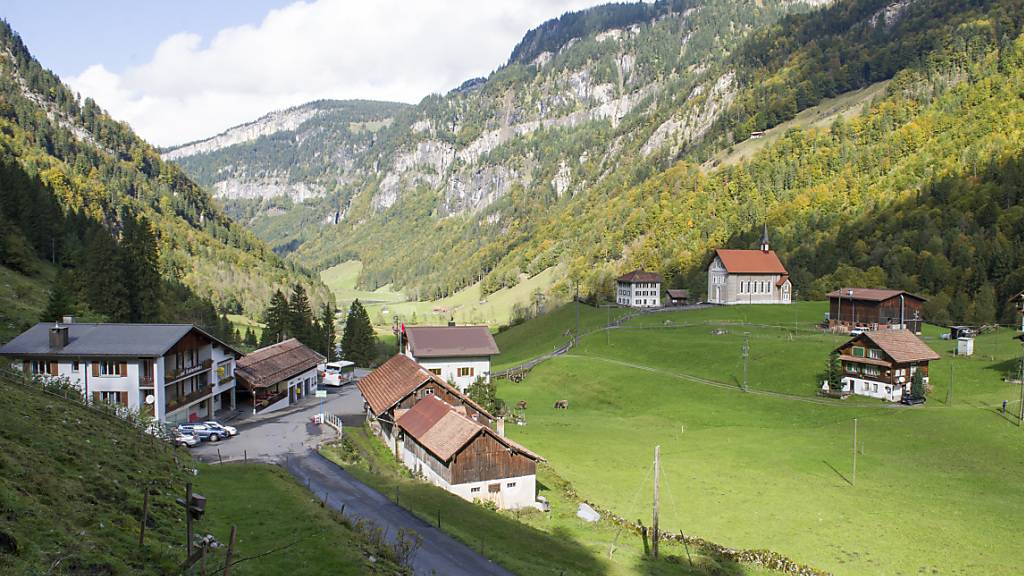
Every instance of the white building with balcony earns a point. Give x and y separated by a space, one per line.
172 372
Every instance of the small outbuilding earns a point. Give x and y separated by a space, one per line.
278 375
678 297
874 309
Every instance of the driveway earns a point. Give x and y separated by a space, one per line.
289 438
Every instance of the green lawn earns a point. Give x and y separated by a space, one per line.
528 542
273 512
341 280
22 299
937 487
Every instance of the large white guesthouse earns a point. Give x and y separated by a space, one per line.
639 289
172 372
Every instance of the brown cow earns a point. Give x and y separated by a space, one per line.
563 404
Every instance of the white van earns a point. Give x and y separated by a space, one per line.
339 373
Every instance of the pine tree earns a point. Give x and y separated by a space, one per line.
484 393
358 342
277 320
328 334
105 290
139 261
250 338
61 300
835 372
917 384
300 317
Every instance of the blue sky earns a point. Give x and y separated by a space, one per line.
181 70
69 36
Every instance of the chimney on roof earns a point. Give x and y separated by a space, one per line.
764 239
500 426
451 321
68 320
58 336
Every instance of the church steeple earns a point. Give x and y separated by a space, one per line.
764 238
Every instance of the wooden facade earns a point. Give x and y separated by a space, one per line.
445 393
882 364
870 309
484 458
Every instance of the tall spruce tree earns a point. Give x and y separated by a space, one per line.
103 278
277 319
300 317
358 342
61 300
328 334
140 264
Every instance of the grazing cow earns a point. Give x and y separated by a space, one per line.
563 404
521 405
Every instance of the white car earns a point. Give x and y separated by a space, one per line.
181 439
339 373
231 430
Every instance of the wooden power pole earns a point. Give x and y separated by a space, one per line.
746 356
854 451
654 522
188 520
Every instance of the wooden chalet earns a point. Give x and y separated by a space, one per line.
398 385
465 457
678 297
882 364
874 309
278 375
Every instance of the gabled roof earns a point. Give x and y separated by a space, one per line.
104 340
444 431
872 294
395 379
901 345
751 261
445 341
677 293
640 276
275 363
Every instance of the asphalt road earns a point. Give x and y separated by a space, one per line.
289 438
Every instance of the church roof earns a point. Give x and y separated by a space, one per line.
751 262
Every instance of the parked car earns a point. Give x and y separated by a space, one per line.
204 431
912 400
231 430
856 332
182 439
339 373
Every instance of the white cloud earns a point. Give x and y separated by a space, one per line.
376 49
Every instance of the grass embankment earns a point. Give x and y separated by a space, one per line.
278 517
548 332
22 299
72 484
526 542
936 486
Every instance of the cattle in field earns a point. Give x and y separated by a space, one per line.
563 404
521 405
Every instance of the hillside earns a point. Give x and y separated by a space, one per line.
586 154
132 236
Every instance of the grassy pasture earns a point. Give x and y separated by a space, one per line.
936 487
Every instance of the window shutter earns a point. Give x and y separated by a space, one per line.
53 368
123 396
96 369
95 396
124 369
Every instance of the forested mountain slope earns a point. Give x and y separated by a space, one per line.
134 238
589 153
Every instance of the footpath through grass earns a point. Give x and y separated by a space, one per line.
937 487
526 542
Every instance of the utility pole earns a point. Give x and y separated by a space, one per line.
1021 419
854 451
654 522
576 335
188 519
949 391
746 355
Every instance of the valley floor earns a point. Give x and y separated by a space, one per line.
935 488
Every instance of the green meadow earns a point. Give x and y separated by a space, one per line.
936 487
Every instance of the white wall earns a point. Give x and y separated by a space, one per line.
872 389
522 495
639 294
449 367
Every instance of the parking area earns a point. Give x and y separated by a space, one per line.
270 437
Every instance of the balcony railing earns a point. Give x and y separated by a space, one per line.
145 381
175 403
190 370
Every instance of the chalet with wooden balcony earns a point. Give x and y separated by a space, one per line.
172 372
874 309
399 384
279 375
882 364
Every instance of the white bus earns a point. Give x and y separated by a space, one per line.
339 373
